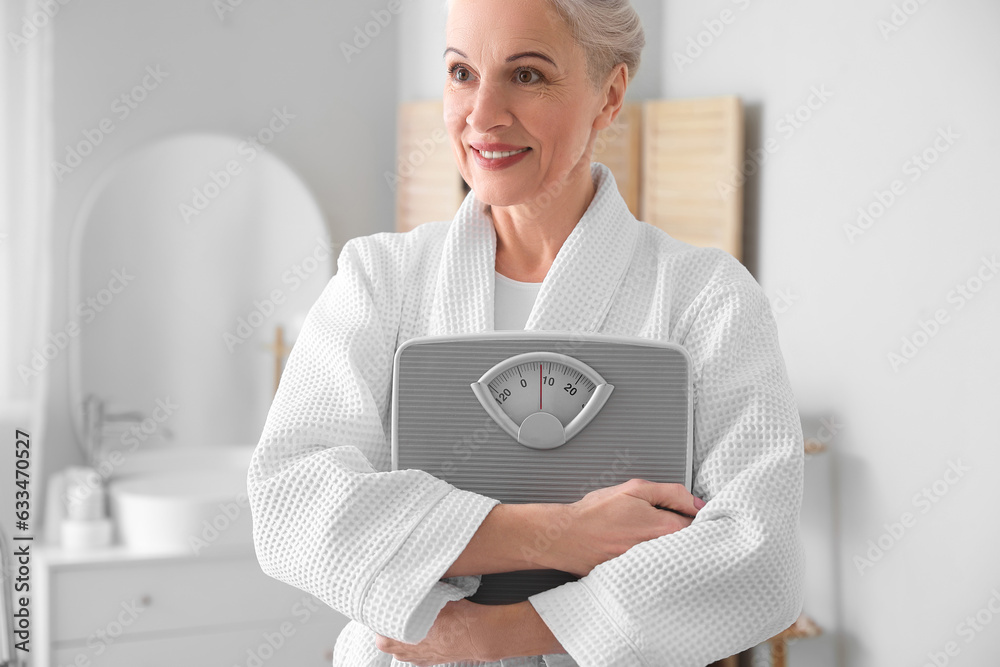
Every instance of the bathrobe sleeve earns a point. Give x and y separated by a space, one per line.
329 517
733 577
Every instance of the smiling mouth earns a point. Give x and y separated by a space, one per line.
496 155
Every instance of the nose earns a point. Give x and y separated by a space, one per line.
490 109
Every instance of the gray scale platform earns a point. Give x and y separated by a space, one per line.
644 429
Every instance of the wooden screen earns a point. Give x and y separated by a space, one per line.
691 188
428 184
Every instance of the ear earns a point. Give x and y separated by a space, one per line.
613 94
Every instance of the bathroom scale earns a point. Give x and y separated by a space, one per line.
541 417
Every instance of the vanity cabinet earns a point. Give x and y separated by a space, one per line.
111 608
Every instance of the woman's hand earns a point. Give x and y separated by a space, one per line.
468 632
578 537
607 522
451 639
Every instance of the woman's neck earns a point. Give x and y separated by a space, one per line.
529 235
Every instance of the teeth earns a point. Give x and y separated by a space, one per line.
495 156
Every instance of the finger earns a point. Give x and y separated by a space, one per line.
385 644
667 522
673 497
679 521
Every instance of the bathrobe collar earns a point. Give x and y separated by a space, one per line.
577 292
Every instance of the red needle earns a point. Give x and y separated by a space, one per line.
539 385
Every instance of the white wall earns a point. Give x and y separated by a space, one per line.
851 303
223 75
421 51
843 306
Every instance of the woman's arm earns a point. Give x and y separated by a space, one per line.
733 578
601 526
467 632
329 517
577 537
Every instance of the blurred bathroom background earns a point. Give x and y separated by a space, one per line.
176 180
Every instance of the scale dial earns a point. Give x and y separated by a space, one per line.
542 399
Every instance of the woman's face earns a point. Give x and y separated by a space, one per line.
517 81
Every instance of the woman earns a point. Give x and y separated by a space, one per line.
529 86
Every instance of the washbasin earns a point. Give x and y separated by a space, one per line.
187 509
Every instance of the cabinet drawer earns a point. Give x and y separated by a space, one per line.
287 642
115 599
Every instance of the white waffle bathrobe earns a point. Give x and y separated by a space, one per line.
331 519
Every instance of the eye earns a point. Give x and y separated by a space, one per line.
459 73
527 75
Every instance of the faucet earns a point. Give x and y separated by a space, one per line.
8 651
94 421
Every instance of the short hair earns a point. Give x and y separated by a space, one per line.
609 31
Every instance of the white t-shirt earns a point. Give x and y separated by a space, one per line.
512 303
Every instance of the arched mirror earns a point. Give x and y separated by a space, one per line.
188 256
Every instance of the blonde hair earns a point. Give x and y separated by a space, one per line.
609 31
